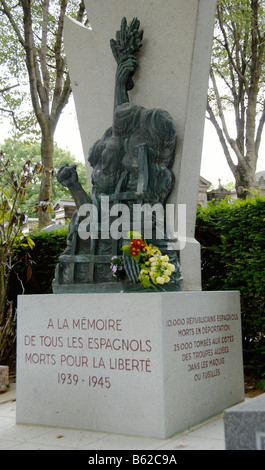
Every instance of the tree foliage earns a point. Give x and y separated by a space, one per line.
20 152
13 187
237 85
32 56
232 236
48 246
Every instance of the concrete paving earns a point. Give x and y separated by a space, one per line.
208 435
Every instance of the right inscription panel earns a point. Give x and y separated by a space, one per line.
203 345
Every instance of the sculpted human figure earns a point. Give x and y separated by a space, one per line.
131 165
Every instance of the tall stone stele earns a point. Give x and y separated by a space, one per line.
132 165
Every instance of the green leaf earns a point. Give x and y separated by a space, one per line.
138 258
5 193
31 243
126 250
135 235
145 281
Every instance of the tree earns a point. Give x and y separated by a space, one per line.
20 152
13 188
237 79
37 28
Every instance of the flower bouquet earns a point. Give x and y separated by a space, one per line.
155 269
117 269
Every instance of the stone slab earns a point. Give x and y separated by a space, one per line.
137 364
245 425
4 378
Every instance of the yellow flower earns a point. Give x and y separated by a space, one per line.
167 272
171 267
152 274
160 280
164 258
144 271
154 263
167 278
149 250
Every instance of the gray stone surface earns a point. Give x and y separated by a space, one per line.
138 364
4 378
245 425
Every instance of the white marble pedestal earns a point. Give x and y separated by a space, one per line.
140 364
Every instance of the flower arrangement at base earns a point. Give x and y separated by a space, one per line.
155 269
117 269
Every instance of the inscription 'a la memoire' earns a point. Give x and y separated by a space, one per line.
85 324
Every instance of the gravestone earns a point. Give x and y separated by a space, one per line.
4 378
151 362
245 425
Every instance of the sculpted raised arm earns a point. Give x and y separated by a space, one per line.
67 176
128 42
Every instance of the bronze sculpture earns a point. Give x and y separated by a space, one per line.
131 167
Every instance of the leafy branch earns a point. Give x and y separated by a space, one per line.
13 188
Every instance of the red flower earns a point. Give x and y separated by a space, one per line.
134 251
137 245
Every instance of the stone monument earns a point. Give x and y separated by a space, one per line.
148 353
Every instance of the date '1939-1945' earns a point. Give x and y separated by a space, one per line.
92 380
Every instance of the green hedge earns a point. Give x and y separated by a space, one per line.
43 259
232 236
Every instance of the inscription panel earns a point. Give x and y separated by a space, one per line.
82 363
204 343
204 354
